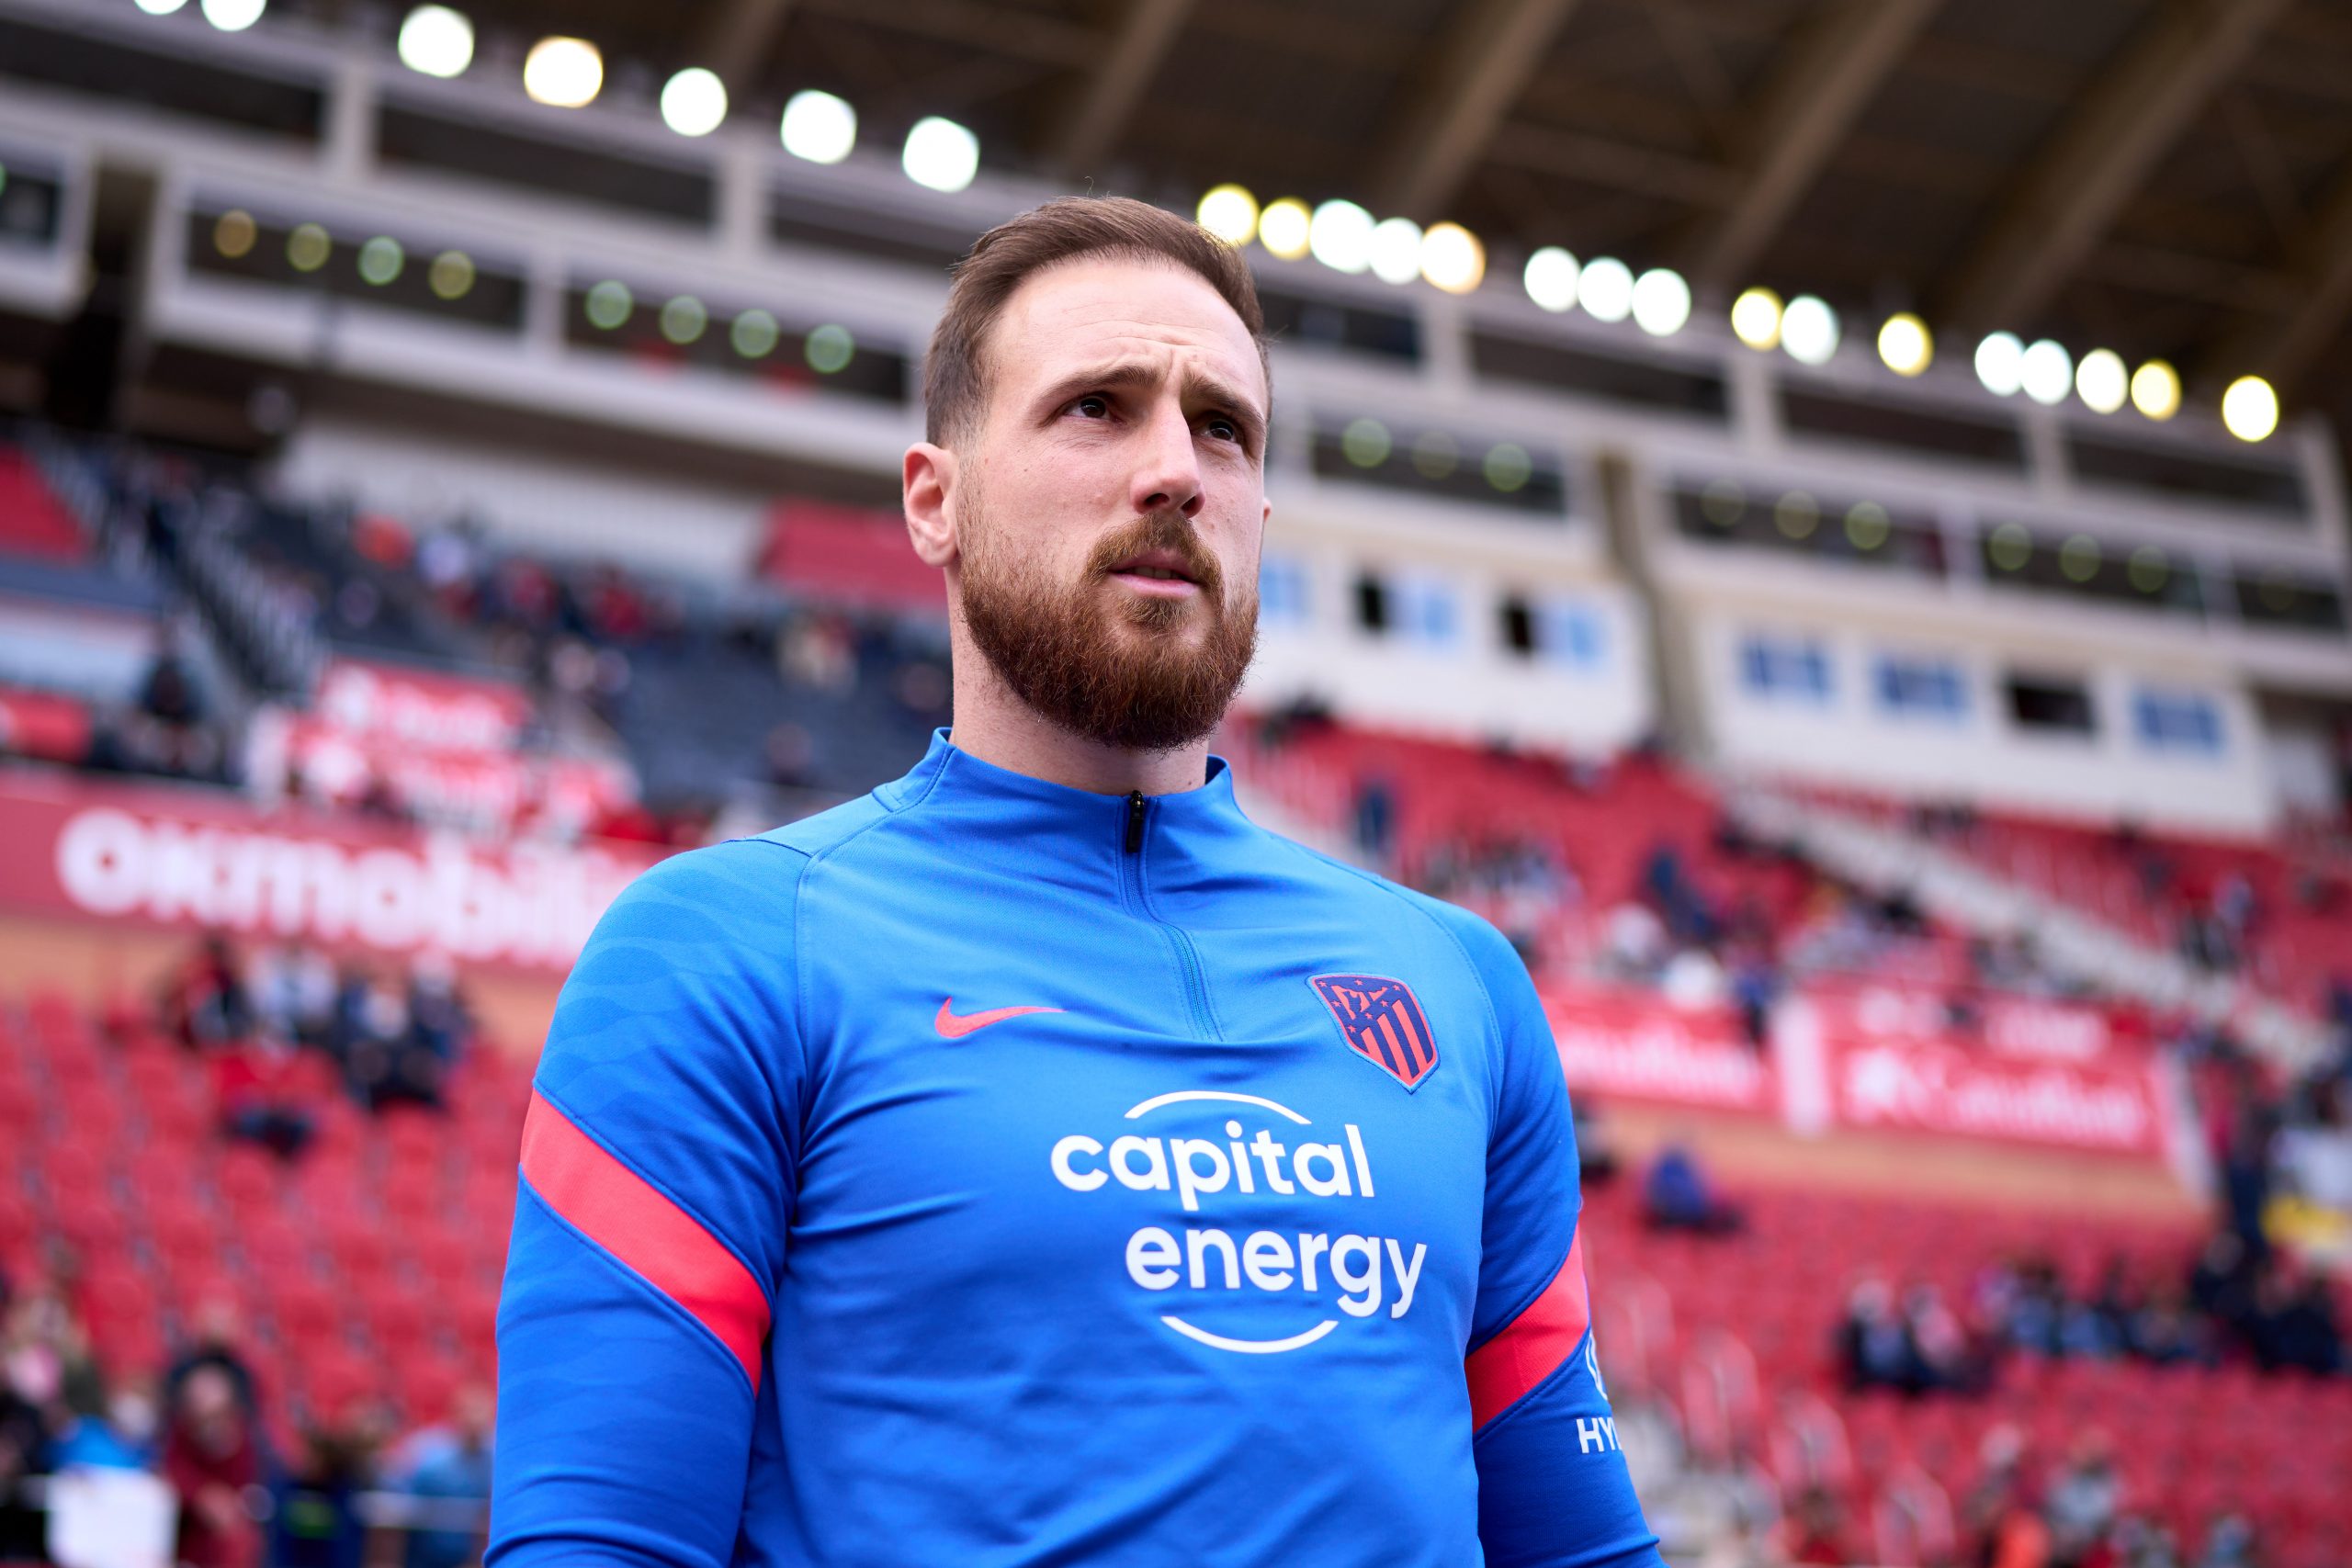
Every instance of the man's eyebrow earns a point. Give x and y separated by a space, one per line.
1129 373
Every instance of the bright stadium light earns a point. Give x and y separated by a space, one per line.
1809 330
1605 289
941 154
307 246
436 41
1282 228
693 102
2047 373
1904 343
1756 318
1661 301
819 127
2250 409
380 261
1551 279
1396 250
1229 213
563 73
683 319
1452 258
234 15
160 8
233 233
2156 389
2102 381
451 275
2000 364
1340 236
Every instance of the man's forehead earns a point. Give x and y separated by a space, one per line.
1104 309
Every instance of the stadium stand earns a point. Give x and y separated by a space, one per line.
436 513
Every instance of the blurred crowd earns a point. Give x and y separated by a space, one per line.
283 1025
2230 1306
195 1443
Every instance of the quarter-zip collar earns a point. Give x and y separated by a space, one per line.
1061 833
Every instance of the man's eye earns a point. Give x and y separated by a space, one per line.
1222 428
1092 406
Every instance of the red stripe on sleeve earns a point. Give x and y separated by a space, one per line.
623 1213
1506 1368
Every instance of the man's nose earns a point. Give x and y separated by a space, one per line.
1168 472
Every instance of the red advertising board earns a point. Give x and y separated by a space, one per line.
444 749
188 858
1618 1046
2048 1073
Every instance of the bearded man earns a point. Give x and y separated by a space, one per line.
1036 1161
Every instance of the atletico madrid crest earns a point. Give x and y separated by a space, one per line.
1383 1023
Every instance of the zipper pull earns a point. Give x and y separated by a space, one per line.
1135 820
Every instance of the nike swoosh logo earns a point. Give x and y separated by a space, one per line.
953 1027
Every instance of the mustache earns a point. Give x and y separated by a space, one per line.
1165 530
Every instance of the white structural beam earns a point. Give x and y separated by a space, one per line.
2098 157
1110 90
735 36
1448 116
1829 76
2283 347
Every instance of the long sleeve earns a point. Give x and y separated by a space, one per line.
1554 1491
657 1175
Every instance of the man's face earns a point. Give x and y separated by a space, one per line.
1109 507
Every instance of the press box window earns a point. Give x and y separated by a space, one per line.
2177 721
1372 603
1928 687
2052 707
1423 609
1785 667
1282 590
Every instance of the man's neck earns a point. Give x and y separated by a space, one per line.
997 728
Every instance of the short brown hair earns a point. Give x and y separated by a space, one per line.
954 373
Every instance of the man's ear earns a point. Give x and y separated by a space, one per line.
926 476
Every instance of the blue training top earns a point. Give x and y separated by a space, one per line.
988 1172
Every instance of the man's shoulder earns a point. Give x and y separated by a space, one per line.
822 832
1481 944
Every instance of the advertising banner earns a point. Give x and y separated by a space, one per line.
2019 1069
1623 1046
444 749
190 858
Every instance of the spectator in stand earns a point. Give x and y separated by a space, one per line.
117 1432
1375 818
1755 985
449 1465
213 1462
24 1440
205 1001
2222 1285
1945 1357
292 992
1676 1195
2230 1544
1875 1343
2084 1501
372 1031
2000 1513
214 1345
1817 1532
2293 1327
315 1521
260 1095
437 1021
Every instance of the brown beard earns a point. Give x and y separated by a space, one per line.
1060 647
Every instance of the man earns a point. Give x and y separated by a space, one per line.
1036 1161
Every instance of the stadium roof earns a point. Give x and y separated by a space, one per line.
2169 178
